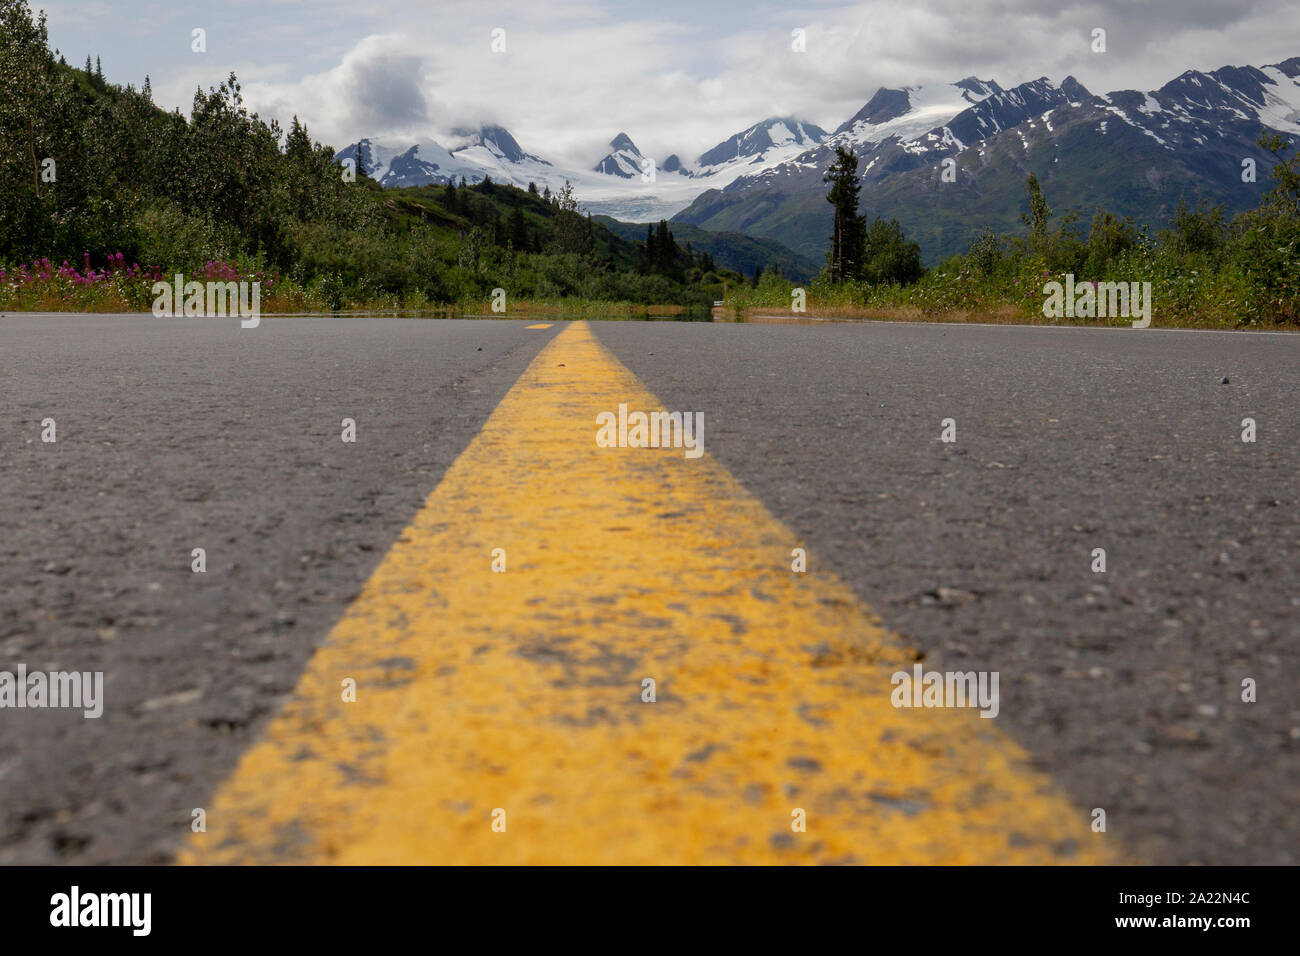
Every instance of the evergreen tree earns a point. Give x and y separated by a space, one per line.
297 145
572 235
850 230
361 164
758 274
1038 212
90 67
663 251
532 188
99 72
518 230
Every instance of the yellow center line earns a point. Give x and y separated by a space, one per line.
540 325
521 691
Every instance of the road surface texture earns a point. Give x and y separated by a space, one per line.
350 680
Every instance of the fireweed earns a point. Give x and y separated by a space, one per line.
117 286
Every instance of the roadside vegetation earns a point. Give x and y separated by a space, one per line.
1205 270
102 194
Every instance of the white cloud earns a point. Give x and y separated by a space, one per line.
677 75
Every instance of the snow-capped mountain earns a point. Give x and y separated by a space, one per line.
1133 153
615 186
1189 111
490 145
413 166
911 111
897 146
471 154
755 145
624 160
762 145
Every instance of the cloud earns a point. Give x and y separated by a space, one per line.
677 75
380 89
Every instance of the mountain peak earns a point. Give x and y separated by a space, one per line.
624 160
911 110
1290 67
885 105
496 139
978 87
752 143
506 145
1075 90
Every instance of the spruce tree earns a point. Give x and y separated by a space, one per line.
518 230
647 251
1038 213
665 250
850 229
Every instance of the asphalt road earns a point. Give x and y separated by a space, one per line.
1123 687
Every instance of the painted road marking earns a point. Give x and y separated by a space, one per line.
540 325
522 690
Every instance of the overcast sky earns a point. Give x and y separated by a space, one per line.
676 75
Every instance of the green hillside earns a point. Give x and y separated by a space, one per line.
95 174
